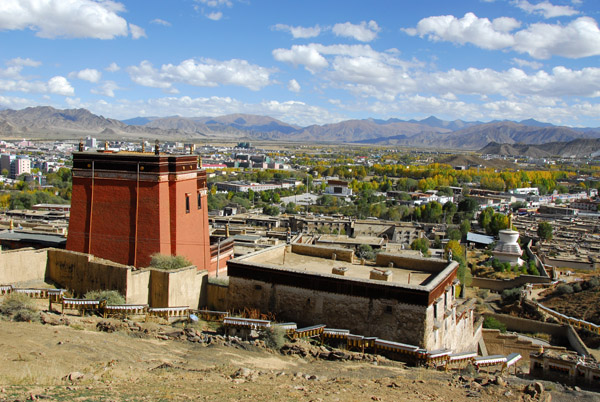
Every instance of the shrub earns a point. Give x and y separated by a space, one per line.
19 307
365 251
162 261
273 337
483 293
492 323
576 287
563 289
421 244
511 295
112 297
591 283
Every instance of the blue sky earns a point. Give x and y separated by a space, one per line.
305 62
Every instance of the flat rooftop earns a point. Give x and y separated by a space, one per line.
320 265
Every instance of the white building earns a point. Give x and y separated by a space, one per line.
525 190
339 188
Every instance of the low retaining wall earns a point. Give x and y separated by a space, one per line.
538 263
23 265
341 254
530 326
434 265
179 287
83 272
498 285
498 343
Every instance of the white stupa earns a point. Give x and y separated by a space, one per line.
507 249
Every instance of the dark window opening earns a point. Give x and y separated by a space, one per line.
199 200
187 203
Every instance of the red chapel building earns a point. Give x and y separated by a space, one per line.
127 206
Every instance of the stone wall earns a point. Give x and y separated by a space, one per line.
341 254
498 285
559 263
24 265
216 296
498 343
530 326
383 318
433 265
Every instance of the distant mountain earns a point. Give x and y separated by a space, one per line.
431 132
363 131
535 123
433 121
138 121
579 148
228 123
46 117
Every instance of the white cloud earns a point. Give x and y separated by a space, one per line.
159 21
560 82
15 66
215 16
137 32
56 85
216 3
579 38
88 74
113 67
364 32
107 88
302 55
61 18
12 102
470 29
526 63
203 72
367 73
546 9
294 86
23 62
292 112
299 32
60 86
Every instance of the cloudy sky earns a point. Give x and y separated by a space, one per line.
306 62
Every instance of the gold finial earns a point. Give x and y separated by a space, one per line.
143 146
81 145
156 148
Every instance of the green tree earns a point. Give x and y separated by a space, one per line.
421 244
468 204
271 210
465 227
498 223
544 231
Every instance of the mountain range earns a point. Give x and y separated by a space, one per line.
48 122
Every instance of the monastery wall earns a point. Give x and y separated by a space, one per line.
179 287
383 318
24 265
433 265
341 254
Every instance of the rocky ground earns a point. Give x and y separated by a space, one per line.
90 358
